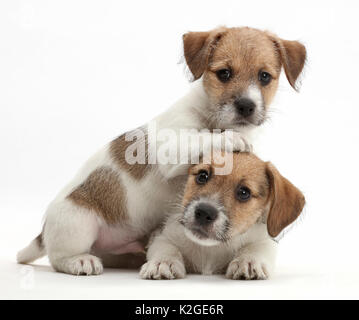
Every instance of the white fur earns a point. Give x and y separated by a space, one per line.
203 242
70 231
255 94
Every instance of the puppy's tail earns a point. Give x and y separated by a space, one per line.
33 251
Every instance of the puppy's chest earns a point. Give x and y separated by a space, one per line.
208 260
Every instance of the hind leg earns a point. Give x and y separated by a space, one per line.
69 234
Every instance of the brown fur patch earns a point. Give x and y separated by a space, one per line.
102 192
118 149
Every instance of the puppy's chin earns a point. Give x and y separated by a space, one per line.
254 121
245 123
207 242
238 125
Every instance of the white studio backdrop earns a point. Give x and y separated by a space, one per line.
75 74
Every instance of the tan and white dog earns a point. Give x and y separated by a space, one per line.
226 222
113 204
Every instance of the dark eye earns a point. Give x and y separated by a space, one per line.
224 75
243 194
202 177
264 78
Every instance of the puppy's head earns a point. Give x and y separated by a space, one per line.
240 69
218 207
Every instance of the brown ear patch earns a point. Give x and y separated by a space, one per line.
287 202
293 56
198 47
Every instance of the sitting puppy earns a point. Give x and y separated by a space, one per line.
227 222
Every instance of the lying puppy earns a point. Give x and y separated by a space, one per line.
226 224
117 200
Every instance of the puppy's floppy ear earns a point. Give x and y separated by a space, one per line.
287 201
197 47
292 55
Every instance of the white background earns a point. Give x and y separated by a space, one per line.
75 74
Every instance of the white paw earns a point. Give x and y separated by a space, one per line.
233 141
169 269
247 268
84 264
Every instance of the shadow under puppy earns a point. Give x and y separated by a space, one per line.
227 222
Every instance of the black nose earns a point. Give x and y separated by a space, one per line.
205 214
245 107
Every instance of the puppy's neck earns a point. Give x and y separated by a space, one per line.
194 104
200 104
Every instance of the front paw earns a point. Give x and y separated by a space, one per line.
166 269
247 268
233 141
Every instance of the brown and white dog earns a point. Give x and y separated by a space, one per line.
226 222
113 204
